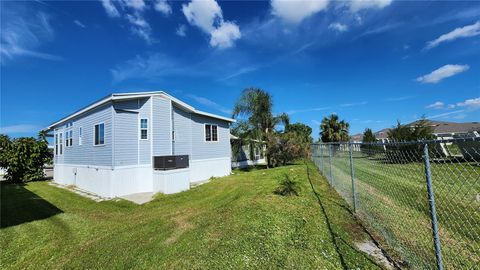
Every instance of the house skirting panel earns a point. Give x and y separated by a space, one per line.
92 179
171 181
110 182
204 169
246 163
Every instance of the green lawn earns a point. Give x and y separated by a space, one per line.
392 201
229 223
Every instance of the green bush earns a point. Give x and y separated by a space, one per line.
24 158
287 187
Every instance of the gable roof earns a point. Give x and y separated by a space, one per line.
126 96
440 127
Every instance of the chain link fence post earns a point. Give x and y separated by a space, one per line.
330 160
433 211
352 172
321 159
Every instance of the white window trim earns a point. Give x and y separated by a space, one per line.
140 128
211 134
103 144
61 140
80 135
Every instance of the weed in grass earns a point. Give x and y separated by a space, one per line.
287 187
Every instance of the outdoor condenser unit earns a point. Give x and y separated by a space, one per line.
170 162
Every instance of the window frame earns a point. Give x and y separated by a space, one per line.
60 143
80 136
140 129
68 135
56 142
95 134
211 133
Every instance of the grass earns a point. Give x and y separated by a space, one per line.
392 200
229 223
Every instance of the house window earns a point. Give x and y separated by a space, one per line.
69 134
80 140
143 129
211 133
60 143
66 139
99 134
56 144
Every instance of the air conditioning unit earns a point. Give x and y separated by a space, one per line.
170 162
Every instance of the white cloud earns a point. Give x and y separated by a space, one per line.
203 14
209 103
77 22
353 104
23 31
162 6
399 98
207 15
445 114
140 26
148 67
225 35
461 32
241 71
338 27
442 73
308 110
296 11
132 11
181 30
473 103
110 8
356 5
156 67
138 5
24 128
436 105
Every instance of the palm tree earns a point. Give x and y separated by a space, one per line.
334 130
256 105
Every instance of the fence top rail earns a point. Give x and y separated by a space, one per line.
465 139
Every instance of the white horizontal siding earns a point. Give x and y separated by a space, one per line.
161 126
207 150
183 132
87 153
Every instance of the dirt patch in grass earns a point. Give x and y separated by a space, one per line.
182 225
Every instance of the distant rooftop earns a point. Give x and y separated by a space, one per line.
439 128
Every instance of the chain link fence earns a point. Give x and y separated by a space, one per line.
419 200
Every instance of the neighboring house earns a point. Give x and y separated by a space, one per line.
245 156
442 131
129 143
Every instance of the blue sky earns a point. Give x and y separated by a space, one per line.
371 62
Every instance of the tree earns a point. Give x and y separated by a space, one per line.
368 139
256 106
421 130
301 135
368 136
24 158
333 130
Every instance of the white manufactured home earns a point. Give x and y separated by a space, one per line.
140 142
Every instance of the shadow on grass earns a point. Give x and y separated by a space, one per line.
334 236
19 205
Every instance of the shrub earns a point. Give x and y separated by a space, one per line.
287 187
24 158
